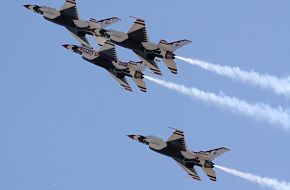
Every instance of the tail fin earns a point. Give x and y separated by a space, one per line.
179 44
138 66
97 25
173 46
70 8
103 23
212 154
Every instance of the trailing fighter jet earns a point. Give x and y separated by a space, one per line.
106 58
137 40
68 17
175 148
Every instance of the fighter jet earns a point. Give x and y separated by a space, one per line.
106 58
68 17
137 40
175 148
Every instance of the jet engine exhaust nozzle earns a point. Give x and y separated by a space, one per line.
138 75
208 164
169 55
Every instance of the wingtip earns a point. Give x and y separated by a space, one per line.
117 19
136 18
175 129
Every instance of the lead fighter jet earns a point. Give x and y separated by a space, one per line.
106 58
68 17
137 40
175 148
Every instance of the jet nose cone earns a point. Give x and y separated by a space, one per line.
65 46
26 6
131 136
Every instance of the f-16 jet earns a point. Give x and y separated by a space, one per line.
137 40
68 17
175 148
106 58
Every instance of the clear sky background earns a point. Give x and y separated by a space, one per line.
63 121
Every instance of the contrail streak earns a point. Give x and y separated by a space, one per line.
258 110
280 86
263 181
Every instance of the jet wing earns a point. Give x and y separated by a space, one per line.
122 81
177 139
81 38
210 173
70 8
191 171
109 49
150 63
138 31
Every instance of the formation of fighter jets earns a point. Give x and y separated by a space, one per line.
137 41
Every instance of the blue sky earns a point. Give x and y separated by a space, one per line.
64 121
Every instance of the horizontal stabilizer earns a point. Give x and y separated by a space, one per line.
140 83
171 65
210 173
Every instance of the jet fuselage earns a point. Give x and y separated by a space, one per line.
173 151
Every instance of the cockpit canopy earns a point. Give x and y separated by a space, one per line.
153 138
49 12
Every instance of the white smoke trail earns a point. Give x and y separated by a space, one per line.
263 181
280 86
258 110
